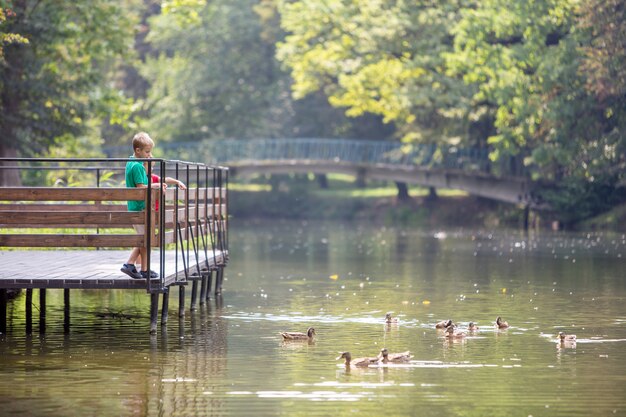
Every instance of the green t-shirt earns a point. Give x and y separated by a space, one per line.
136 174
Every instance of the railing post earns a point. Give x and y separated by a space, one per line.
148 227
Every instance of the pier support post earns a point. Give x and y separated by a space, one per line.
526 217
203 288
165 307
66 310
181 301
29 311
219 275
42 310
208 284
3 310
154 312
194 295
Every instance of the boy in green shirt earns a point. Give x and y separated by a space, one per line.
136 177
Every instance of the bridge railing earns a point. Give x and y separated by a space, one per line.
358 152
82 204
353 151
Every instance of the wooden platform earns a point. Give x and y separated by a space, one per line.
89 269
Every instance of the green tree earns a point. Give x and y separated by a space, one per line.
379 57
52 87
604 69
556 89
216 76
515 66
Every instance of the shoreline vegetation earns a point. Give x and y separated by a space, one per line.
296 198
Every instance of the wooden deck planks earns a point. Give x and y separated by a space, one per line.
81 269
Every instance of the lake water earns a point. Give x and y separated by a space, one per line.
228 359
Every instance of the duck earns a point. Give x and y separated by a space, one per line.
444 324
386 357
472 327
389 319
358 362
454 334
299 335
501 324
567 337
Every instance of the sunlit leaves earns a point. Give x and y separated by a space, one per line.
184 11
380 57
7 38
513 51
379 88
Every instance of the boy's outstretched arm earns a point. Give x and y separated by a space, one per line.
174 181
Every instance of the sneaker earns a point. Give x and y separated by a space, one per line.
144 274
131 271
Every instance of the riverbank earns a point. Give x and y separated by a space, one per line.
445 210
454 210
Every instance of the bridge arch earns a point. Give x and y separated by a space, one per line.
466 169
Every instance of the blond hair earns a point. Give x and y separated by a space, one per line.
141 140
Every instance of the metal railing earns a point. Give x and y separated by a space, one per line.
193 221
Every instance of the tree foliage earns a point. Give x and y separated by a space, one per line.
378 57
215 76
7 38
540 82
52 85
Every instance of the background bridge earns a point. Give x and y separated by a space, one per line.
467 169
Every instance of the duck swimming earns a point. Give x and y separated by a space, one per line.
386 357
358 362
444 324
501 324
299 335
454 334
567 337
389 319
472 327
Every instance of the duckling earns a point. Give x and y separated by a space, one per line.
472 327
389 319
454 334
501 324
358 362
299 335
567 337
386 357
444 324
